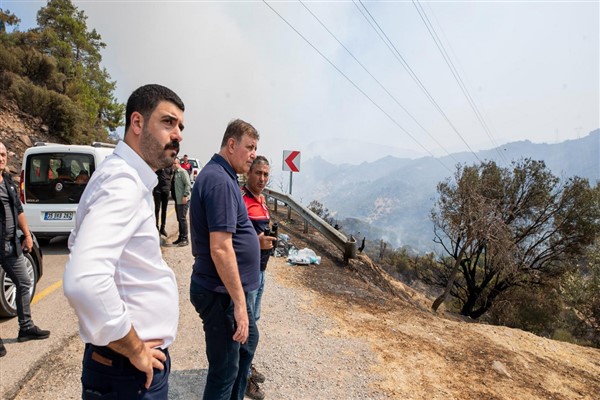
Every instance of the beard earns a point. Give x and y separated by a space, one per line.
156 155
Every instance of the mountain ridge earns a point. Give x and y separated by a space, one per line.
393 196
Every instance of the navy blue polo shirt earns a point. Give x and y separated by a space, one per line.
217 206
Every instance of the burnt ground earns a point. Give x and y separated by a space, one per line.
423 355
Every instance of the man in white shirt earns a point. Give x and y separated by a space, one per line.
123 292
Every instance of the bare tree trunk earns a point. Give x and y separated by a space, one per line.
438 302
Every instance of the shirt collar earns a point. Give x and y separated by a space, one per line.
148 177
223 163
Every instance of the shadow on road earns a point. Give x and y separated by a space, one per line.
187 384
56 246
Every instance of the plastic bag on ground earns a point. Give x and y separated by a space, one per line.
304 256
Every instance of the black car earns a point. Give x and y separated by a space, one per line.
33 258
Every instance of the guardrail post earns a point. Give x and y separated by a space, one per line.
350 249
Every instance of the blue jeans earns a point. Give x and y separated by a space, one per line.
228 360
16 269
109 375
255 297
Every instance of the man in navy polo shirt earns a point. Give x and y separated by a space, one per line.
226 249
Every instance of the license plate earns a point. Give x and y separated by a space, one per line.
58 216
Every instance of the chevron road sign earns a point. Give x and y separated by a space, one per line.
291 161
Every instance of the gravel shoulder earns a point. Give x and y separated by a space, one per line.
302 351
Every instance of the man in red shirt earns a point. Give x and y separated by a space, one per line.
258 212
185 164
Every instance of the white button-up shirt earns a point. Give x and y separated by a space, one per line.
115 276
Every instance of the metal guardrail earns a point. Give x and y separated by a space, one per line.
346 245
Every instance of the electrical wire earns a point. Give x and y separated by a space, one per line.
378 82
355 85
408 69
456 75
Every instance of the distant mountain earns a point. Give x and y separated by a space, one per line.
340 150
391 198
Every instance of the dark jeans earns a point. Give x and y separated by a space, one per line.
161 201
228 361
16 269
181 212
109 375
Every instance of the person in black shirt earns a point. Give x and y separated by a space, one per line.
161 197
11 253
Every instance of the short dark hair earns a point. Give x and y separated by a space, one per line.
259 160
238 128
145 99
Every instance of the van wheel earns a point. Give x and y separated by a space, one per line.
8 294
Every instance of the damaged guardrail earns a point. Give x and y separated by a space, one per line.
345 244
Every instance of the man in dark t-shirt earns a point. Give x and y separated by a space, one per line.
226 253
11 253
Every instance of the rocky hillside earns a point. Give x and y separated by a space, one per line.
18 131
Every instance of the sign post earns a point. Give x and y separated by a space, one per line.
291 162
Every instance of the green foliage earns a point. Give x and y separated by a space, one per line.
7 19
581 291
54 72
503 228
58 111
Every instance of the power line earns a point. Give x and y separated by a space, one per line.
376 80
455 73
408 69
355 85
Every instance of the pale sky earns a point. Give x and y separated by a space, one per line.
532 69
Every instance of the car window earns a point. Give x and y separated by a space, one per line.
57 178
194 163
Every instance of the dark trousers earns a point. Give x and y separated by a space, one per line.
181 212
16 269
109 375
161 201
228 361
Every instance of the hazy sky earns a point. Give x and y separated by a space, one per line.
532 69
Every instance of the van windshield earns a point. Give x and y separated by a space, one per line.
57 178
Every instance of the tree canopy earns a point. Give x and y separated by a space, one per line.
502 228
54 72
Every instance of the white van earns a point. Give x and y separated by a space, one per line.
53 178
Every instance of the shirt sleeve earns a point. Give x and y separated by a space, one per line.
221 206
108 220
187 191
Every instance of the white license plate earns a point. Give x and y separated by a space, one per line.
58 216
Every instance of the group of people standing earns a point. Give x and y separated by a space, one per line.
125 295
173 181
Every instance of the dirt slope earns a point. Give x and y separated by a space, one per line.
18 131
437 356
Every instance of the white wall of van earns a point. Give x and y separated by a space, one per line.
53 177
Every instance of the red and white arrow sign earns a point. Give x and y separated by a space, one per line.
291 160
